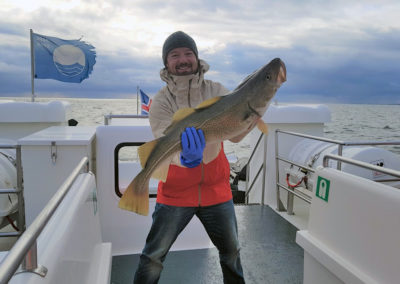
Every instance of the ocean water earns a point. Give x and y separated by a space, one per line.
356 122
350 122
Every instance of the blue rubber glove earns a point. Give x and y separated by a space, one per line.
193 143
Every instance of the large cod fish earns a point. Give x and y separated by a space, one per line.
230 117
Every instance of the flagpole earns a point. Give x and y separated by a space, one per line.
137 100
32 67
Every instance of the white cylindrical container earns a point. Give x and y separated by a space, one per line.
8 179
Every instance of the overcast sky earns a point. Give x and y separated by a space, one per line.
335 51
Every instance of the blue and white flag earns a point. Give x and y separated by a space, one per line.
64 60
146 103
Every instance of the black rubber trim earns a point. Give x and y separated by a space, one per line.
116 167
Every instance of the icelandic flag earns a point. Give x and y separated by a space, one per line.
64 60
146 103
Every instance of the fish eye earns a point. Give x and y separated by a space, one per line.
268 77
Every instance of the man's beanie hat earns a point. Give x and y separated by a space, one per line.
175 40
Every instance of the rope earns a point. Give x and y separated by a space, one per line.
12 223
293 185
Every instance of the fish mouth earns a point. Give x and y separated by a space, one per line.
282 73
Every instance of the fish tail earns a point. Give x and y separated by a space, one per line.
136 196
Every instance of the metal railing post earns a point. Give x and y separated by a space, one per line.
279 205
247 182
247 188
290 202
264 168
340 153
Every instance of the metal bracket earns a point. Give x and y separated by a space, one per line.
53 152
29 263
41 271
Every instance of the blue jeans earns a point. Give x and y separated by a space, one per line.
169 221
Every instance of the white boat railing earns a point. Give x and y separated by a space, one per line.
24 250
359 164
108 117
19 191
301 195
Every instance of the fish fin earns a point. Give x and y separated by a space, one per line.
145 150
182 113
245 80
179 115
185 112
208 102
134 200
262 126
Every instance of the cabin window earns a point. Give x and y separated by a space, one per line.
126 160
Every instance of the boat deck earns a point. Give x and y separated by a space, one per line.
269 254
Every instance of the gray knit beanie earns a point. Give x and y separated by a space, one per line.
175 40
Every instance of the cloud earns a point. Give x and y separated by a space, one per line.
334 51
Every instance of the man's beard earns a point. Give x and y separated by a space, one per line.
188 69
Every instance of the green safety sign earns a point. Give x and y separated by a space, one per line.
323 188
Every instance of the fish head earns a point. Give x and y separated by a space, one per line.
275 71
260 87
269 78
